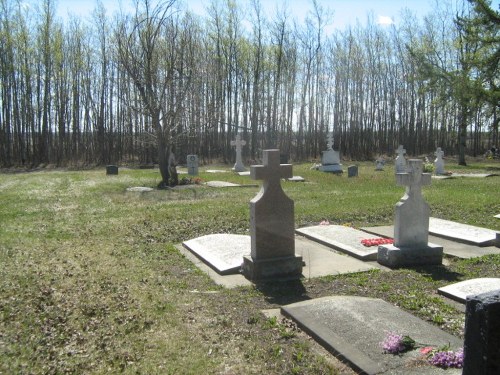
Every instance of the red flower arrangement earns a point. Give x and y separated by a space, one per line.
376 241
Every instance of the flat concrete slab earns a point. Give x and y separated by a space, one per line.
459 291
296 179
462 232
140 189
456 249
225 184
245 173
474 175
319 260
223 252
342 238
216 171
352 328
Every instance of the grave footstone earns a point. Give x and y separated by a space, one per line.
400 164
111 169
411 224
330 159
482 334
192 165
439 162
461 290
352 171
238 143
272 224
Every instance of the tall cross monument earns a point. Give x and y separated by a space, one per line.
272 224
238 143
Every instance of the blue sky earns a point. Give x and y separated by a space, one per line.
345 12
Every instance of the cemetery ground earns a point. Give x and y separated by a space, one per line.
91 280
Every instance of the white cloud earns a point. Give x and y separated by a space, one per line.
384 20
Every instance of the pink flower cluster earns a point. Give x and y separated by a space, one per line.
394 343
376 241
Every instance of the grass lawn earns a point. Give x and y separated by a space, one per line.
90 280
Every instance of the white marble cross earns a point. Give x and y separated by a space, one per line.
329 141
239 143
439 162
411 226
400 160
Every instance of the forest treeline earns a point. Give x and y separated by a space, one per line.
116 88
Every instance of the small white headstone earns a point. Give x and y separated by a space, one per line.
238 143
439 162
379 164
400 163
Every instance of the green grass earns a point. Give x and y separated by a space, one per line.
91 281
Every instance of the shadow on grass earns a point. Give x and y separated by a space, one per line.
439 273
283 292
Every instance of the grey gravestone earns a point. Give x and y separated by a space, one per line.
482 334
400 164
352 328
330 159
224 252
352 171
192 165
379 164
439 162
111 169
411 224
238 143
272 224
461 290
463 232
342 238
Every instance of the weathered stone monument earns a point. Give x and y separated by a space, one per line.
379 164
400 164
192 165
482 334
439 162
238 143
352 171
411 224
272 224
330 159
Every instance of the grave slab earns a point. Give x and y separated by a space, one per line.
456 249
474 175
462 232
247 173
342 238
216 171
224 252
296 179
319 260
140 189
459 291
352 328
225 184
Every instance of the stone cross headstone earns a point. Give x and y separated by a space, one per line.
272 224
482 334
400 163
192 165
238 143
411 223
439 162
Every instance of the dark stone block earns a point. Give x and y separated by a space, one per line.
482 334
352 171
111 169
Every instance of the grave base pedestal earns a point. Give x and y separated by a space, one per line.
394 257
282 267
331 168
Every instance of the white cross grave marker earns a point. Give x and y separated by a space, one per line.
239 143
411 227
439 162
400 160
